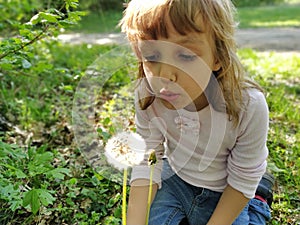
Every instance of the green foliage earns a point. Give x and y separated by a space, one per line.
39 101
26 177
116 114
269 16
101 5
99 22
16 12
243 3
32 102
31 182
16 51
37 197
39 182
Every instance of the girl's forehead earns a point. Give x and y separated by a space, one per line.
174 27
171 34
169 28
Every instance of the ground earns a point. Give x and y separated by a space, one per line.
263 39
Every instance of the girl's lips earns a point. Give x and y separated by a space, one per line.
168 95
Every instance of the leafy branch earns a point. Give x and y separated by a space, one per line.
32 31
36 38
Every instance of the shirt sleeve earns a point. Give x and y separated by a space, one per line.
247 161
147 128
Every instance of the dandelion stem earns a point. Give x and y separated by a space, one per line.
149 193
124 197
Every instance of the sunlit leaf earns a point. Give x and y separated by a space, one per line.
26 64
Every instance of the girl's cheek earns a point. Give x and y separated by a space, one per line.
149 72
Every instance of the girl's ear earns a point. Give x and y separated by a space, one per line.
217 66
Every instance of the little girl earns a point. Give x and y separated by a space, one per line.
207 123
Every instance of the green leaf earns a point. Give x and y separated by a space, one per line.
27 198
55 11
68 88
41 163
31 198
15 204
73 181
45 197
25 32
35 203
112 201
8 192
20 174
58 173
35 197
35 19
66 22
75 16
13 170
71 3
272 166
49 17
44 158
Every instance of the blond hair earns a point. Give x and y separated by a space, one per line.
146 19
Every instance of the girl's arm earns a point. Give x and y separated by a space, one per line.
138 198
231 203
246 162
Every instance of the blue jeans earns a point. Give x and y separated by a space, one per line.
177 200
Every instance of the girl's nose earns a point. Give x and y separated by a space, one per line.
168 73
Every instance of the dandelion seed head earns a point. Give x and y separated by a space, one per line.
126 149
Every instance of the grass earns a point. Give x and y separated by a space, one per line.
284 15
269 16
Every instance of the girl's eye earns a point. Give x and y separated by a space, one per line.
187 57
153 57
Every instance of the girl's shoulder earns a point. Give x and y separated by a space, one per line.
255 105
253 97
254 117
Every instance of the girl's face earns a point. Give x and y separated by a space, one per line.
178 68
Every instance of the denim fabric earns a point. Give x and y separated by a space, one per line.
177 200
259 212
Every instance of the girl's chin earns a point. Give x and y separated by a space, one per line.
181 105
174 105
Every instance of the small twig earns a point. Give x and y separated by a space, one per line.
21 73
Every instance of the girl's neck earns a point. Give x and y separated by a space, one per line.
198 104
